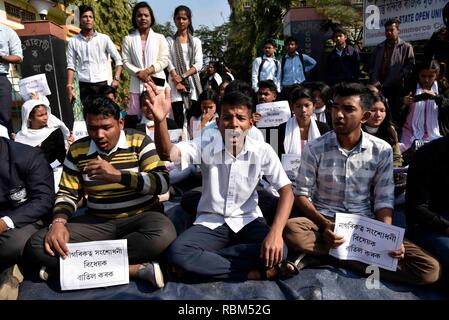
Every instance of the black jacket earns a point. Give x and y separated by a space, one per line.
427 195
343 68
25 166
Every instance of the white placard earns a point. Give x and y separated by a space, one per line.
95 264
175 135
367 240
419 19
273 113
79 129
290 163
34 84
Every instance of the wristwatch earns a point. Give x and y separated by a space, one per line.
116 78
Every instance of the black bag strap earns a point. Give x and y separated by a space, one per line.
261 65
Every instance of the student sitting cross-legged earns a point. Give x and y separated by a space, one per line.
230 239
336 174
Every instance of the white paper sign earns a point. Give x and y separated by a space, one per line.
79 129
273 113
290 163
34 84
367 240
175 135
95 264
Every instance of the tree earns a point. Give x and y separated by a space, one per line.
214 42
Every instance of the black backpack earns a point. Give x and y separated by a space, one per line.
261 65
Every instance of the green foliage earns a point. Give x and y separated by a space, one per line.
214 41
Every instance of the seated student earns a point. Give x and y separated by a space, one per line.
381 126
122 175
43 130
427 108
108 91
322 100
208 101
26 197
336 174
427 200
302 127
229 239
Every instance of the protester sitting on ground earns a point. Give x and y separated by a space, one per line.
26 198
266 93
426 107
43 130
336 175
208 102
322 100
212 79
229 240
427 200
122 175
381 126
302 128
109 92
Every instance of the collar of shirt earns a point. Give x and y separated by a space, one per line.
360 147
340 50
287 56
219 146
81 36
122 144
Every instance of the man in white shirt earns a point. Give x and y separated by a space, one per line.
230 239
88 53
266 67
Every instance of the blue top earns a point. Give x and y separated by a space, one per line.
9 45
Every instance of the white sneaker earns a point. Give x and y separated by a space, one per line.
151 271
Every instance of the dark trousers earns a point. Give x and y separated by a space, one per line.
12 243
5 103
148 235
88 89
393 96
178 112
219 254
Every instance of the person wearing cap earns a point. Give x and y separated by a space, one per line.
43 130
26 198
10 52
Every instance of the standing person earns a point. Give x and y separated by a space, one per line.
266 67
88 54
145 54
294 67
438 45
343 62
121 174
392 63
337 173
10 52
229 239
26 197
186 60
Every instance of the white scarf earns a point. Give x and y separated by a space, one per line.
371 130
4 132
320 112
34 137
426 110
292 140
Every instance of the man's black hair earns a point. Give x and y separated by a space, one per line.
235 99
107 89
85 8
290 39
344 89
100 105
339 29
270 41
269 84
392 21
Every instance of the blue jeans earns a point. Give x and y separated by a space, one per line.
219 254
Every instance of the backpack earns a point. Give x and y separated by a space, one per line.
261 65
301 58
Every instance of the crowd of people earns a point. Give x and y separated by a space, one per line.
197 139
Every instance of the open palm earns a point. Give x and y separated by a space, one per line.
158 102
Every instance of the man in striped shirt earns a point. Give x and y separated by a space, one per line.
337 173
121 174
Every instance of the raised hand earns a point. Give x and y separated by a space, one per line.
158 101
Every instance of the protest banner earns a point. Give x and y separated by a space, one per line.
34 84
273 113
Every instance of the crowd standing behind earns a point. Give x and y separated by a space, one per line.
245 207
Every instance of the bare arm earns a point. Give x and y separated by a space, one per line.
160 105
11 59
